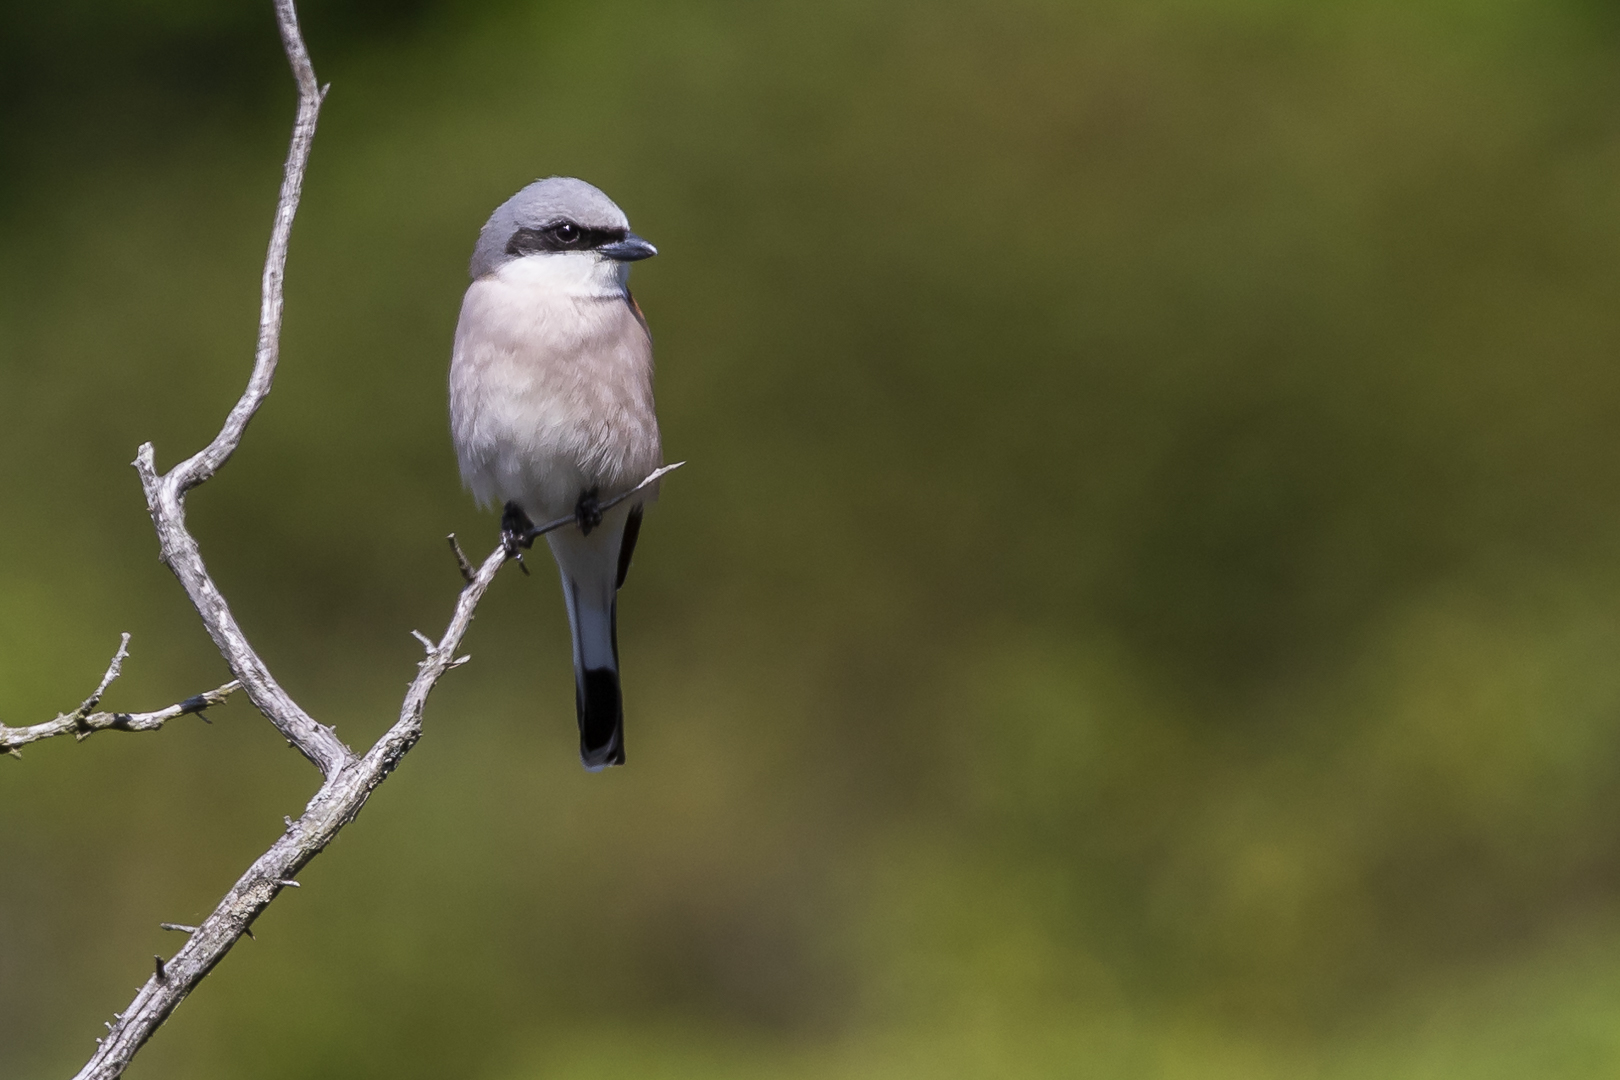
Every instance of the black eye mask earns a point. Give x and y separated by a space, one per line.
561 236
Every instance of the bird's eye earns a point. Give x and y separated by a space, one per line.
567 232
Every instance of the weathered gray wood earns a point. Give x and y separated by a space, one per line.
338 801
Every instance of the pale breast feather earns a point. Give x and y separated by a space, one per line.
550 393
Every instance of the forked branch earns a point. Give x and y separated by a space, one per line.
85 721
336 804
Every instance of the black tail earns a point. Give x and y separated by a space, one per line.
601 718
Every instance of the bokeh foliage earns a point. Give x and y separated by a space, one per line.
1143 602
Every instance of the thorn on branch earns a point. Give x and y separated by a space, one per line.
182 927
162 976
290 883
289 822
427 642
114 669
461 559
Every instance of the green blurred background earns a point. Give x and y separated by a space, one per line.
1144 601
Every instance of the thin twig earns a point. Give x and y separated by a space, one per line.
461 559
552 526
83 723
114 669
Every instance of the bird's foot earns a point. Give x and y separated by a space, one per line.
517 532
587 511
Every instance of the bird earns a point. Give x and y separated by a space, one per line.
552 412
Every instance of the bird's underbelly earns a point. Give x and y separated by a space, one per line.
540 417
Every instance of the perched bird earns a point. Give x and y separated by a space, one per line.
551 410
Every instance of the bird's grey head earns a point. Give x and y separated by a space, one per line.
557 214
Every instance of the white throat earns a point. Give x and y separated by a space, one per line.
567 273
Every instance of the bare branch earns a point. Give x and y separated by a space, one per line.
202 465
165 495
82 722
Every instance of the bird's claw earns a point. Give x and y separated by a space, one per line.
517 532
587 511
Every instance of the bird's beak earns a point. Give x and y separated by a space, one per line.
631 249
